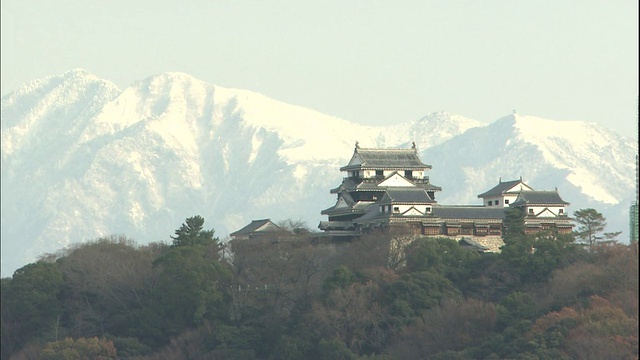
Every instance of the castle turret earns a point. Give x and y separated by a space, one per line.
369 175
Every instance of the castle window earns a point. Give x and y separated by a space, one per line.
561 211
408 174
490 203
531 211
497 202
506 201
396 209
428 210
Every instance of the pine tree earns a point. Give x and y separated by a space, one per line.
191 233
513 225
590 224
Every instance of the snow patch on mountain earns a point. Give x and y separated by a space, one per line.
586 150
306 134
51 109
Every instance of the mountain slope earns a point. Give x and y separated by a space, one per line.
39 123
82 159
580 148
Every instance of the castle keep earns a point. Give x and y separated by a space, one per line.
383 188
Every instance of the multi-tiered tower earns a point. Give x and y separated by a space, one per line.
394 180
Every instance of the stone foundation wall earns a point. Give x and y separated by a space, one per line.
398 243
493 242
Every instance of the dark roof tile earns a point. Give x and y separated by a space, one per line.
257 224
409 196
387 159
501 188
539 198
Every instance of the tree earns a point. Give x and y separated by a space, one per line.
354 316
440 255
534 257
192 283
107 281
296 227
590 225
420 290
454 324
191 233
30 304
603 332
341 278
82 348
513 224
288 272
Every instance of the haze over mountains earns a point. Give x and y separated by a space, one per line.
82 159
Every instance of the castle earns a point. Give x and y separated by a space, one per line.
383 188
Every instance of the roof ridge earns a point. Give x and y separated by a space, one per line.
386 149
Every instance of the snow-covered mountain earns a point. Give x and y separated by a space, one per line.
83 159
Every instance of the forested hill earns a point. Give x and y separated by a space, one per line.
288 297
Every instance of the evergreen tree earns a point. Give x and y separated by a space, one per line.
191 233
513 224
192 282
590 224
30 304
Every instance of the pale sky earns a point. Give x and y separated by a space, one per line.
372 62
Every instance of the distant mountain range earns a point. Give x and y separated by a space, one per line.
82 159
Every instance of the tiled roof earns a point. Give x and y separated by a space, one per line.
359 207
349 184
255 225
362 205
387 159
468 212
352 205
335 225
539 198
409 196
501 188
365 186
432 187
371 215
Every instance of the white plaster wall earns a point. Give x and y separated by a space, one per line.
403 208
397 181
511 198
537 209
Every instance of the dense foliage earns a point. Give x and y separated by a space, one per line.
287 297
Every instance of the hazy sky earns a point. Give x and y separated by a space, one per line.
373 62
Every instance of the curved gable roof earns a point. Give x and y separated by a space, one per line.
263 225
385 159
504 187
408 196
539 198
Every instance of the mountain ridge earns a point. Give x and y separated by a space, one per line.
139 161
